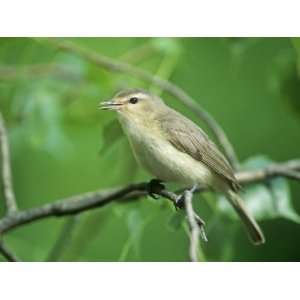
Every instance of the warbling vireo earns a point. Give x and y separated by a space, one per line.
174 149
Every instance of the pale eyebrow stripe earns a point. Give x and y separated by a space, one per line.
139 95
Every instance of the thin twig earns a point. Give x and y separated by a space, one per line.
289 174
193 224
201 225
289 169
174 90
139 54
81 203
7 186
13 72
7 253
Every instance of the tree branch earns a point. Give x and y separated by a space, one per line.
7 186
289 169
73 205
81 203
174 90
8 254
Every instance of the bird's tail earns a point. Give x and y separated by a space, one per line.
252 227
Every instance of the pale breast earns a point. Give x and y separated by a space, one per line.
163 160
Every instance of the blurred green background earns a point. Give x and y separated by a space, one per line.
49 100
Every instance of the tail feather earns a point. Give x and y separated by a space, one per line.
252 227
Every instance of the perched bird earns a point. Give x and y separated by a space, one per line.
174 149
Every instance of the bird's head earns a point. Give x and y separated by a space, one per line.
134 103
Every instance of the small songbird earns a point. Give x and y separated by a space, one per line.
174 149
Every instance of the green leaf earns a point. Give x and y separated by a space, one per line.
176 220
167 45
290 87
135 224
111 133
86 233
264 201
281 194
42 124
296 44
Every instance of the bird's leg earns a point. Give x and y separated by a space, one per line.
179 203
155 186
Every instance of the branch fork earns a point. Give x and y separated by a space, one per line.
184 201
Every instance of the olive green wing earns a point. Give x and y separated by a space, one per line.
189 138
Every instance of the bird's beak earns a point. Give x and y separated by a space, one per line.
110 105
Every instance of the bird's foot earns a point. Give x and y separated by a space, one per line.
154 187
179 202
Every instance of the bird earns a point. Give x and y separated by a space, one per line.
172 148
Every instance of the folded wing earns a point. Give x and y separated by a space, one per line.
189 138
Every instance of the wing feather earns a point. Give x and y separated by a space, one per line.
189 138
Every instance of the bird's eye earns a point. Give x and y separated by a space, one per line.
133 100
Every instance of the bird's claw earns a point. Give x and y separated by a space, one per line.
155 186
179 202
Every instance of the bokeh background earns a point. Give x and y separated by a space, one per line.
62 145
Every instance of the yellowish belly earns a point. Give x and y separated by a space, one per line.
165 162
